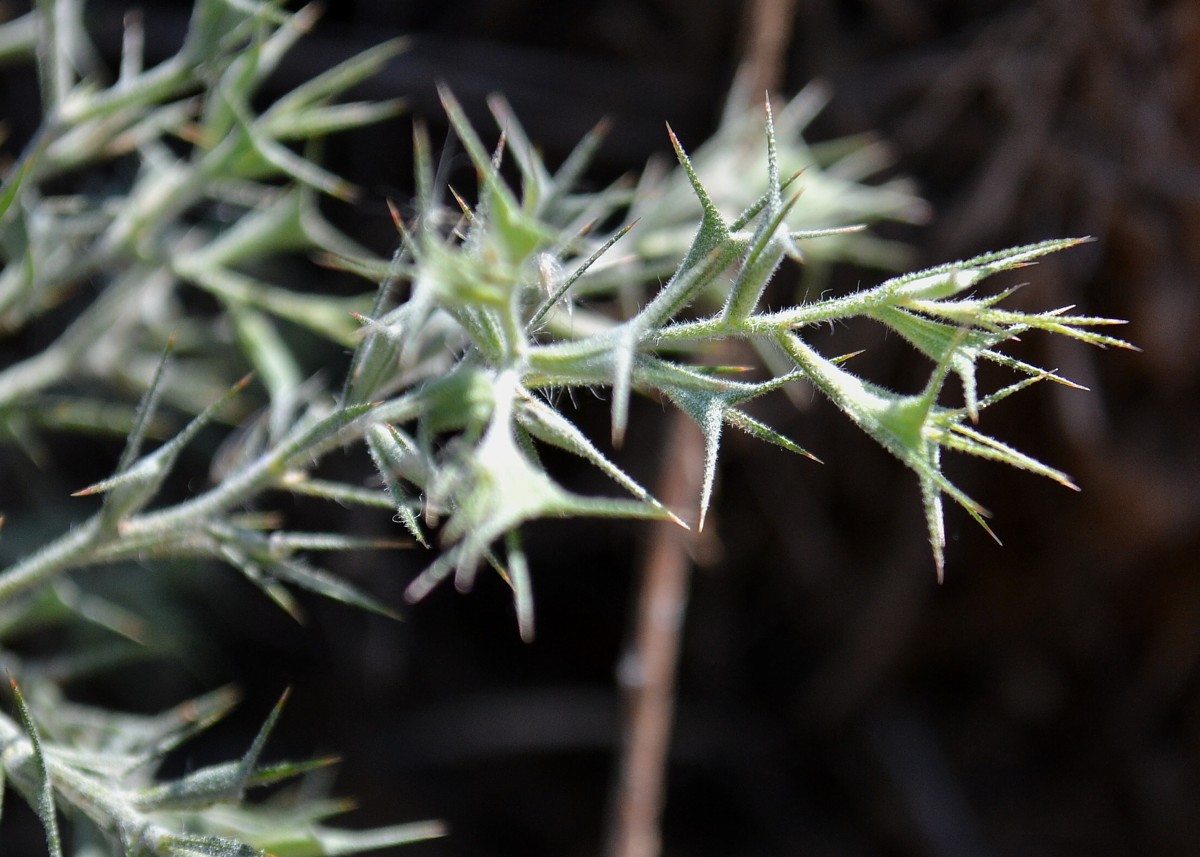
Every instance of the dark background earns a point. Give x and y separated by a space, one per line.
833 699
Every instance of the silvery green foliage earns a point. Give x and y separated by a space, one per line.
132 192
461 350
501 289
833 176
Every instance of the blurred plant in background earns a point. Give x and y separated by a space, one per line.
144 224
837 178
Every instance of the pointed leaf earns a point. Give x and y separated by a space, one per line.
250 760
577 161
131 489
966 439
340 78
384 444
758 268
226 782
328 842
196 845
520 234
711 402
535 179
562 288
45 808
713 231
550 426
314 122
949 279
156 736
323 583
518 579
340 492
145 412
14 181
904 425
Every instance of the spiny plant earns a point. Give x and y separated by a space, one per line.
135 196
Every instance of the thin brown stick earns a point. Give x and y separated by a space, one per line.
648 668
768 32
647 671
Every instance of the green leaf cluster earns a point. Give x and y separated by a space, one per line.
464 350
99 763
483 285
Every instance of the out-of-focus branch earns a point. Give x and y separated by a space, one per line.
767 33
647 671
648 667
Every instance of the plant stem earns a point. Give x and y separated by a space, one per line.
60 555
768 33
648 668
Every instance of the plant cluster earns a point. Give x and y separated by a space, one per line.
137 197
